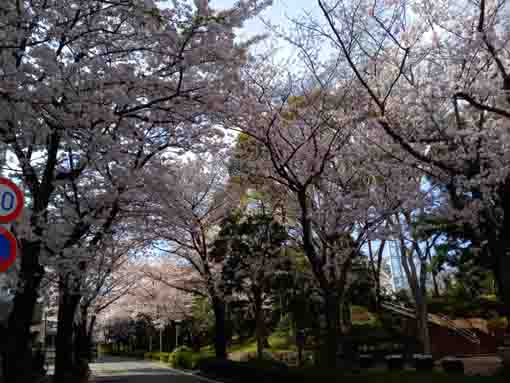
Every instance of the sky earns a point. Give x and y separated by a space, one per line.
276 14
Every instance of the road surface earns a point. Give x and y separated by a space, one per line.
122 370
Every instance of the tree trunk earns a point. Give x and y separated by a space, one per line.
65 362
502 253
419 292
220 340
421 304
345 316
436 286
259 323
18 358
423 325
83 338
90 332
376 267
332 328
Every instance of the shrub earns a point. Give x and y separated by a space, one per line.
138 354
288 357
182 357
255 371
453 365
395 362
423 362
106 348
497 324
366 361
284 325
164 356
160 356
249 356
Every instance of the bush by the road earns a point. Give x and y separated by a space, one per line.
160 356
255 371
108 349
182 357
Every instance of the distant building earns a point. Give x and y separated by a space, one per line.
43 328
399 280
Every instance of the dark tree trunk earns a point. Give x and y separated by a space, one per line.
83 338
332 328
376 268
332 309
220 338
422 324
18 358
502 253
65 361
90 331
259 323
502 274
436 286
345 316
378 296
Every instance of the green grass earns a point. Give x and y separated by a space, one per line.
277 342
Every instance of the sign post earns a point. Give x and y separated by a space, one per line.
11 205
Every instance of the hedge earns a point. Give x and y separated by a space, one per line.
160 356
255 371
182 357
107 349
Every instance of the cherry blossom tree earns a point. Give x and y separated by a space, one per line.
310 142
150 297
415 253
436 80
110 275
185 206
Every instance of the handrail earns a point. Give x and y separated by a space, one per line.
440 320
452 323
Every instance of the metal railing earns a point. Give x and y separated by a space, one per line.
440 320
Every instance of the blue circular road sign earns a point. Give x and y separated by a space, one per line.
8 249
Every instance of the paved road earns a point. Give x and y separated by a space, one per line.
122 370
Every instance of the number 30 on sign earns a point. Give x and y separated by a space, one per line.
11 201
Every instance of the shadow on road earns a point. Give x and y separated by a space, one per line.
125 370
113 359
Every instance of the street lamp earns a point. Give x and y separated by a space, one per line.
177 321
160 325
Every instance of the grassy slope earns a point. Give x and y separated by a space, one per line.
277 342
